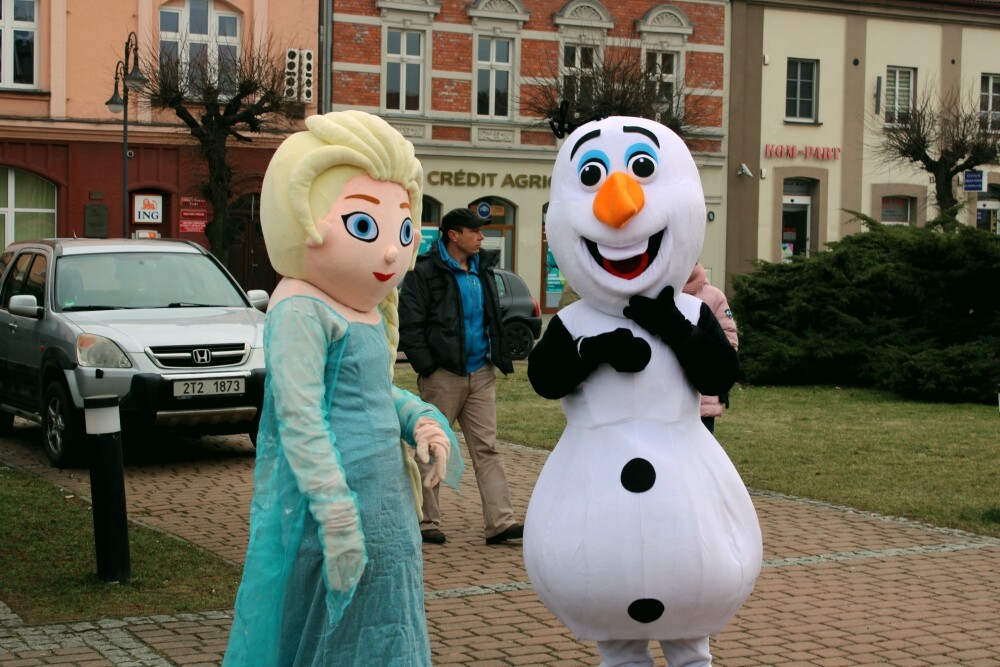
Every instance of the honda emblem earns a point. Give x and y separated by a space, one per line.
201 355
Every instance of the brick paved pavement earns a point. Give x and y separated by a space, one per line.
838 587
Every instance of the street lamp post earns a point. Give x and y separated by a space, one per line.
132 80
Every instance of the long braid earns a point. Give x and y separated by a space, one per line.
389 306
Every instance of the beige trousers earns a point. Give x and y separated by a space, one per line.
471 399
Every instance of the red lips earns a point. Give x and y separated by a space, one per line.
382 277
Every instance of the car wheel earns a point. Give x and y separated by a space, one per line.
519 339
61 431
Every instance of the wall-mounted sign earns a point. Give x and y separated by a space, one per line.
791 152
147 209
974 181
193 215
475 179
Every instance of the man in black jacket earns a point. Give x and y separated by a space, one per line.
451 330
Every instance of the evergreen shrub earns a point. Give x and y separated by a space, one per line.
913 310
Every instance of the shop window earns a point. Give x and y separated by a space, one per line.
499 231
27 206
430 213
897 210
200 45
801 88
493 76
19 44
989 102
900 86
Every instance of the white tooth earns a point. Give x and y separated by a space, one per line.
616 254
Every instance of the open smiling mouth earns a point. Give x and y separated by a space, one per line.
627 267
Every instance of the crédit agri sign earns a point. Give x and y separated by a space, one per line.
474 179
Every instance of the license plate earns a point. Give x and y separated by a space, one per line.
208 387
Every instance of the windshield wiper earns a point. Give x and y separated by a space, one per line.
67 309
190 304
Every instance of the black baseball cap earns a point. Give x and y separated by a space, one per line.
460 217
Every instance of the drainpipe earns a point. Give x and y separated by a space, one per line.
326 56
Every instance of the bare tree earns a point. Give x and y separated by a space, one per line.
220 97
605 79
944 137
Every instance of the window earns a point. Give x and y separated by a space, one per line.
404 70
27 206
899 88
661 72
897 210
202 42
19 44
578 69
800 90
989 102
493 65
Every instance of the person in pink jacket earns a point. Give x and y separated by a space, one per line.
698 285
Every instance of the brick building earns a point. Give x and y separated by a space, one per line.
455 78
452 76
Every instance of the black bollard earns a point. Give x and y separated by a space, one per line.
107 488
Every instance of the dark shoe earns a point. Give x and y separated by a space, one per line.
433 536
513 533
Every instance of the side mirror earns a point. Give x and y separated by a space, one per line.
25 305
258 299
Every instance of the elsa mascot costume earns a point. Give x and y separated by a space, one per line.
334 568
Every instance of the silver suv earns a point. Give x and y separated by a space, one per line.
158 323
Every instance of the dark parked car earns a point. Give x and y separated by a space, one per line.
159 324
522 321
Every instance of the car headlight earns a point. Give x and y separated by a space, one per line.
99 351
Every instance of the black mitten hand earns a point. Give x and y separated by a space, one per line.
620 349
659 316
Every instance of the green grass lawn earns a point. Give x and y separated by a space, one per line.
50 570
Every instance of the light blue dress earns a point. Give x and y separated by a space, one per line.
328 400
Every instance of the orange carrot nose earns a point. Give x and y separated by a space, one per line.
618 200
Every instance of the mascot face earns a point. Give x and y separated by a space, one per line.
627 212
368 243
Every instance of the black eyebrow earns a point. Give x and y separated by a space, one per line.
642 130
587 137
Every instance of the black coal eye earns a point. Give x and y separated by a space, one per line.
592 173
642 165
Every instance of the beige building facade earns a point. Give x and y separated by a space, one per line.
812 84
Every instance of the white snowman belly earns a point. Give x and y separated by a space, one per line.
641 529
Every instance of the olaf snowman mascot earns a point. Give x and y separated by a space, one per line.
639 527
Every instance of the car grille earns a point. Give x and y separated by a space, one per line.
198 356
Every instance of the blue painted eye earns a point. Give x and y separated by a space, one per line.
593 169
406 232
361 226
641 162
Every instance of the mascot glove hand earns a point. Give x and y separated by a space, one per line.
343 546
431 440
620 349
659 316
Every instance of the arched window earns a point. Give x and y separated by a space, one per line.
27 206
